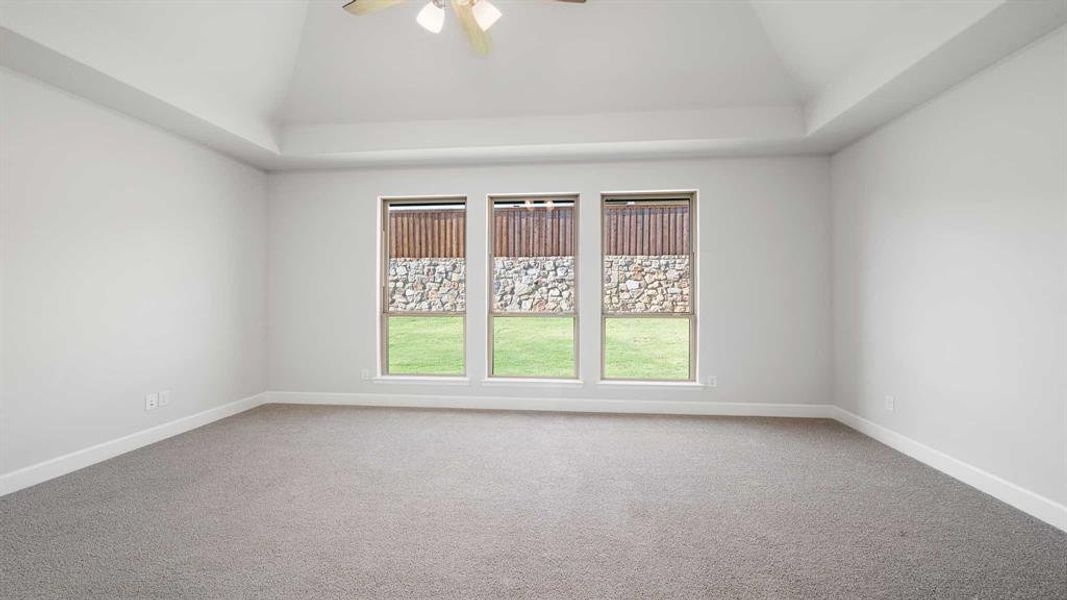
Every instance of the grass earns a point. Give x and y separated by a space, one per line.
646 348
541 347
425 345
533 347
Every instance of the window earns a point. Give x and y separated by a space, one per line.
424 295
648 319
533 319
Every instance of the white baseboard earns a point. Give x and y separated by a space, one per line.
586 405
61 465
1029 502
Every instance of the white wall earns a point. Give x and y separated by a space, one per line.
131 261
950 249
764 287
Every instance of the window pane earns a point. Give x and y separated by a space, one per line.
533 347
425 345
533 256
649 348
427 270
647 256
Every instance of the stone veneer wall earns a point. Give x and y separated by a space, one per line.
541 284
427 284
533 284
655 284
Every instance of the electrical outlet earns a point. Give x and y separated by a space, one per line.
712 381
164 398
365 374
151 401
890 403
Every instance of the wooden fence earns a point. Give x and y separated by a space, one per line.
427 234
646 230
521 231
518 231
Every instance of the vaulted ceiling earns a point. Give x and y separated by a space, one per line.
230 61
292 83
818 40
548 58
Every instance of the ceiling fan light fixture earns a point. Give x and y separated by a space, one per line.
474 16
486 14
431 17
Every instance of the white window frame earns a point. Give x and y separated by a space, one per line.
691 197
383 286
492 313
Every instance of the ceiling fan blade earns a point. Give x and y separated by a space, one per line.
480 41
362 7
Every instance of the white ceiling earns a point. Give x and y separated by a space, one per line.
548 58
818 39
821 41
229 59
305 80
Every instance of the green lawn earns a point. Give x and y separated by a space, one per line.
533 347
646 348
425 345
541 347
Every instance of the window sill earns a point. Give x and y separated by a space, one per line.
527 381
696 385
421 379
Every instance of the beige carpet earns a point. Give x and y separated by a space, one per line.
337 502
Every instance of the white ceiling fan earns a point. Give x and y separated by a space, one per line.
476 16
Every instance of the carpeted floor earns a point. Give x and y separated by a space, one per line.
344 502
